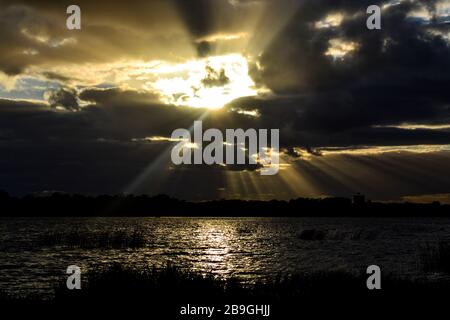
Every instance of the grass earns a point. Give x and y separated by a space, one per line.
129 285
162 291
112 239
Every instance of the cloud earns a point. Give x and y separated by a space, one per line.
39 26
148 30
333 84
124 115
64 98
215 78
388 77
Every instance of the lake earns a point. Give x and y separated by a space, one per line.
35 252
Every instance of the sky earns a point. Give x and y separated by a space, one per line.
91 111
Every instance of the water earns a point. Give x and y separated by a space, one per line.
249 249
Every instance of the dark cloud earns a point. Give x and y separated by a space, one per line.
303 120
295 61
205 17
197 15
55 76
395 75
103 144
65 98
203 48
215 78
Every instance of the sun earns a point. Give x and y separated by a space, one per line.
205 83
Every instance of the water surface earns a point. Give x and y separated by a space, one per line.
245 248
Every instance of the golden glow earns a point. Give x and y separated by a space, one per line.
386 149
339 48
223 37
45 39
158 139
428 198
205 83
190 145
331 20
408 126
7 82
251 113
187 144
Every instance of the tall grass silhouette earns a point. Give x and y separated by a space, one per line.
161 292
76 238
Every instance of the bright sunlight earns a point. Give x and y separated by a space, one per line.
205 83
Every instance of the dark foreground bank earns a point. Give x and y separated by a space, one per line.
166 293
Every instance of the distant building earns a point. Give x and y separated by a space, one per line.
359 199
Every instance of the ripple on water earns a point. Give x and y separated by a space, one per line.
245 248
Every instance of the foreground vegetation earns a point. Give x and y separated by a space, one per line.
164 291
120 238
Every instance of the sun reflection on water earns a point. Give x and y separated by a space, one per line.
216 241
